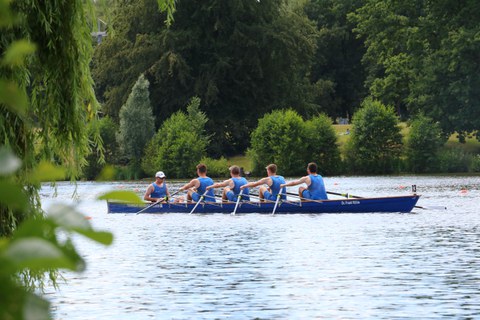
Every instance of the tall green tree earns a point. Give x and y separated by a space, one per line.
337 73
136 123
241 58
375 143
423 56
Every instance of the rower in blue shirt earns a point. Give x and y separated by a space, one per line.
157 190
232 186
273 182
198 187
315 189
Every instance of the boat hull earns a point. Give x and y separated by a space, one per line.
350 205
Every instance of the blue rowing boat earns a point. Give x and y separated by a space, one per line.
350 205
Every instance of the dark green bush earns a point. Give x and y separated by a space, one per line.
179 144
454 160
475 163
321 144
423 142
107 129
216 168
375 143
280 139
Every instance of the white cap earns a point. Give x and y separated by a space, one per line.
160 174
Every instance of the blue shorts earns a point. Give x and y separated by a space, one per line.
307 195
196 197
233 197
269 196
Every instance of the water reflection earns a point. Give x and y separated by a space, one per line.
343 266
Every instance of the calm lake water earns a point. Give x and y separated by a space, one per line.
424 265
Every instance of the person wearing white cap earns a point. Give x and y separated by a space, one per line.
158 189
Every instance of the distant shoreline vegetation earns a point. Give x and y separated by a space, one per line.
418 147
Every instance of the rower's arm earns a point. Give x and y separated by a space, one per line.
256 183
149 191
191 184
295 182
219 184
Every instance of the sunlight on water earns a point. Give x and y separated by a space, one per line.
342 266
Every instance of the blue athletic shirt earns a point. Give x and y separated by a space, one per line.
238 182
204 183
275 187
159 192
317 187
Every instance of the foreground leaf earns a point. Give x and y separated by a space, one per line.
127 196
9 163
13 97
46 171
37 254
16 53
12 196
67 217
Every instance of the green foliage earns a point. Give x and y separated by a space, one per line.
216 168
375 143
107 129
280 139
283 138
423 56
321 143
475 163
423 142
46 103
34 246
49 120
179 144
454 160
337 73
242 58
136 122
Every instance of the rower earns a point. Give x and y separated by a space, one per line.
315 189
197 188
232 186
158 189
273 182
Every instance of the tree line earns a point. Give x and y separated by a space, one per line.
375 145
244 60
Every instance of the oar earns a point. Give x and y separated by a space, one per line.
159 200
198 202
253 195
302 198
148 207
173 194
276 203
238 201
346 195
